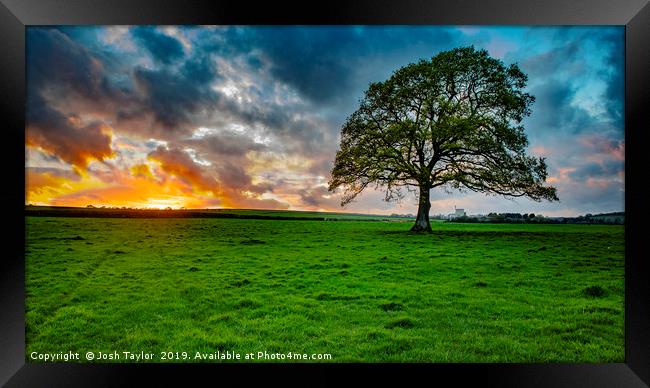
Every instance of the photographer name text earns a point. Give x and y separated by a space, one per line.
143 356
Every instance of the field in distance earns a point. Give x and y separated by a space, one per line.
62 211
360 291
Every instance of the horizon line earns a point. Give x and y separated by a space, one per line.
104 207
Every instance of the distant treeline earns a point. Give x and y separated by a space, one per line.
617 218
95 212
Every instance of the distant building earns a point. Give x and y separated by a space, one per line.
457 213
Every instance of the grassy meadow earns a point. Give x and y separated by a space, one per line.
360 291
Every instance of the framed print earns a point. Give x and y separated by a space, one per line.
373 190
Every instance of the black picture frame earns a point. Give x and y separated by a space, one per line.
15 15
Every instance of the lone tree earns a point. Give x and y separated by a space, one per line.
452 121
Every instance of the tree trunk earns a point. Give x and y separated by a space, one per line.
422 221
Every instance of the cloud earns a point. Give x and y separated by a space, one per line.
44 184
202 70
226 143
67 77
58 67
554 111
604 170
614 73
315 198
227 152
68 138
226 180
565 57
179 163
323 63
38 178
604 145
141 170
163 48
170 98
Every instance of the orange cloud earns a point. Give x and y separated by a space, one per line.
562 175
36 182
73 142
130 191
179 163
175 181
234 190
141 170
41 185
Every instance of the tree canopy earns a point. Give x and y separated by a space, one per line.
452 121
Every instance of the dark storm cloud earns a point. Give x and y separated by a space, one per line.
587 143
170 97
571 58
310 62
320 63
201 70
614 73
57 66
553 110
308 198
329 67
560 73
323 63
305 58
163 48
65 78
56 134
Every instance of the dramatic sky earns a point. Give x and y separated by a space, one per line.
249 117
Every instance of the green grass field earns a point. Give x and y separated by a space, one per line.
360 291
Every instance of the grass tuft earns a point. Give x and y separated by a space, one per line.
391 306
241 283
404 323
246 303
326 296
252 241
594 291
